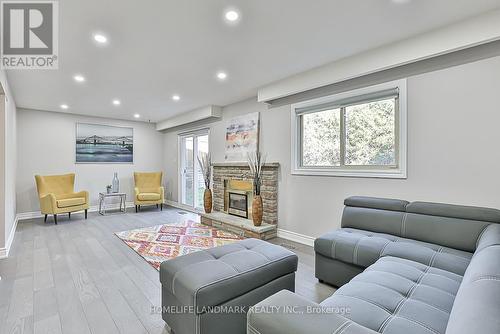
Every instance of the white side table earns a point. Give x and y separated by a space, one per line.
102 201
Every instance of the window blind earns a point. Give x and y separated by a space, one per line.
365 98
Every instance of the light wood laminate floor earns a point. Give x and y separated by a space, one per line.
78 277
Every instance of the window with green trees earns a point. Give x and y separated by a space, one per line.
354 133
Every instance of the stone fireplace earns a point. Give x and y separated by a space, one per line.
232 200
239 174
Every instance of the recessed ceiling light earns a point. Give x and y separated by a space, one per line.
137 115
222 75
64 106
232 15
79 78
116 102
176 97
101 39
401 1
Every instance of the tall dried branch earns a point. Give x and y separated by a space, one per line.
205 161
256 161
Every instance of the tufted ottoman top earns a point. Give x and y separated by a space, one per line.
213 276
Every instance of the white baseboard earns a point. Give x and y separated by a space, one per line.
182 206
4 251
296 237
93 208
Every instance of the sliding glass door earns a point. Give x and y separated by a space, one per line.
192 145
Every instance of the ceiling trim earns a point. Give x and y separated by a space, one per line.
472 32
196 115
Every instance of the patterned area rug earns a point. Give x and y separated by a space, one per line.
164 242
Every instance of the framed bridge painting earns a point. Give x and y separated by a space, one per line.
96 144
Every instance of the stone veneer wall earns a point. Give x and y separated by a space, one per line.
241 171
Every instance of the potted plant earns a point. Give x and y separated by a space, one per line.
256 162
108 188
205 161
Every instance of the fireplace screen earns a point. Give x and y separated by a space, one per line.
238 204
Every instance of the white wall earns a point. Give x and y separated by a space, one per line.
8 161
3 162
453 156
46 145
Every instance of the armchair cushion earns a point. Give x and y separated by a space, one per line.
64 203
148 196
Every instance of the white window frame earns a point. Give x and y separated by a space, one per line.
180 160
397 172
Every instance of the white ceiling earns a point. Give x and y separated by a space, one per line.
158 48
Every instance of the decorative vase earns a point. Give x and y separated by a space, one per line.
207 200
116 183
257 210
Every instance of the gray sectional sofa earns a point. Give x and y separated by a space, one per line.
402 268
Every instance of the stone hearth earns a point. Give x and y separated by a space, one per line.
223 173
240 226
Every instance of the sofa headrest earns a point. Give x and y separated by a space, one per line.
455 211
376 203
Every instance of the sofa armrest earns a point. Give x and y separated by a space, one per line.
48 204
162 194
287 313
83 193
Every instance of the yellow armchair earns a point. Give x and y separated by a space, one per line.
57 195
148 190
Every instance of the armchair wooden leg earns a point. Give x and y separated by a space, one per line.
161 207
86 212
69 215
55 219
45 219
136 209
157 206
139 207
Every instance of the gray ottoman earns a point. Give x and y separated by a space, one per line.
210 291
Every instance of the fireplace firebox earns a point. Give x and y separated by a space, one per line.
238 198
238 204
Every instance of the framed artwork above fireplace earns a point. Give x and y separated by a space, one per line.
242 137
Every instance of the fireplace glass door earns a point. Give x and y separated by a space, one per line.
192 185
238 204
